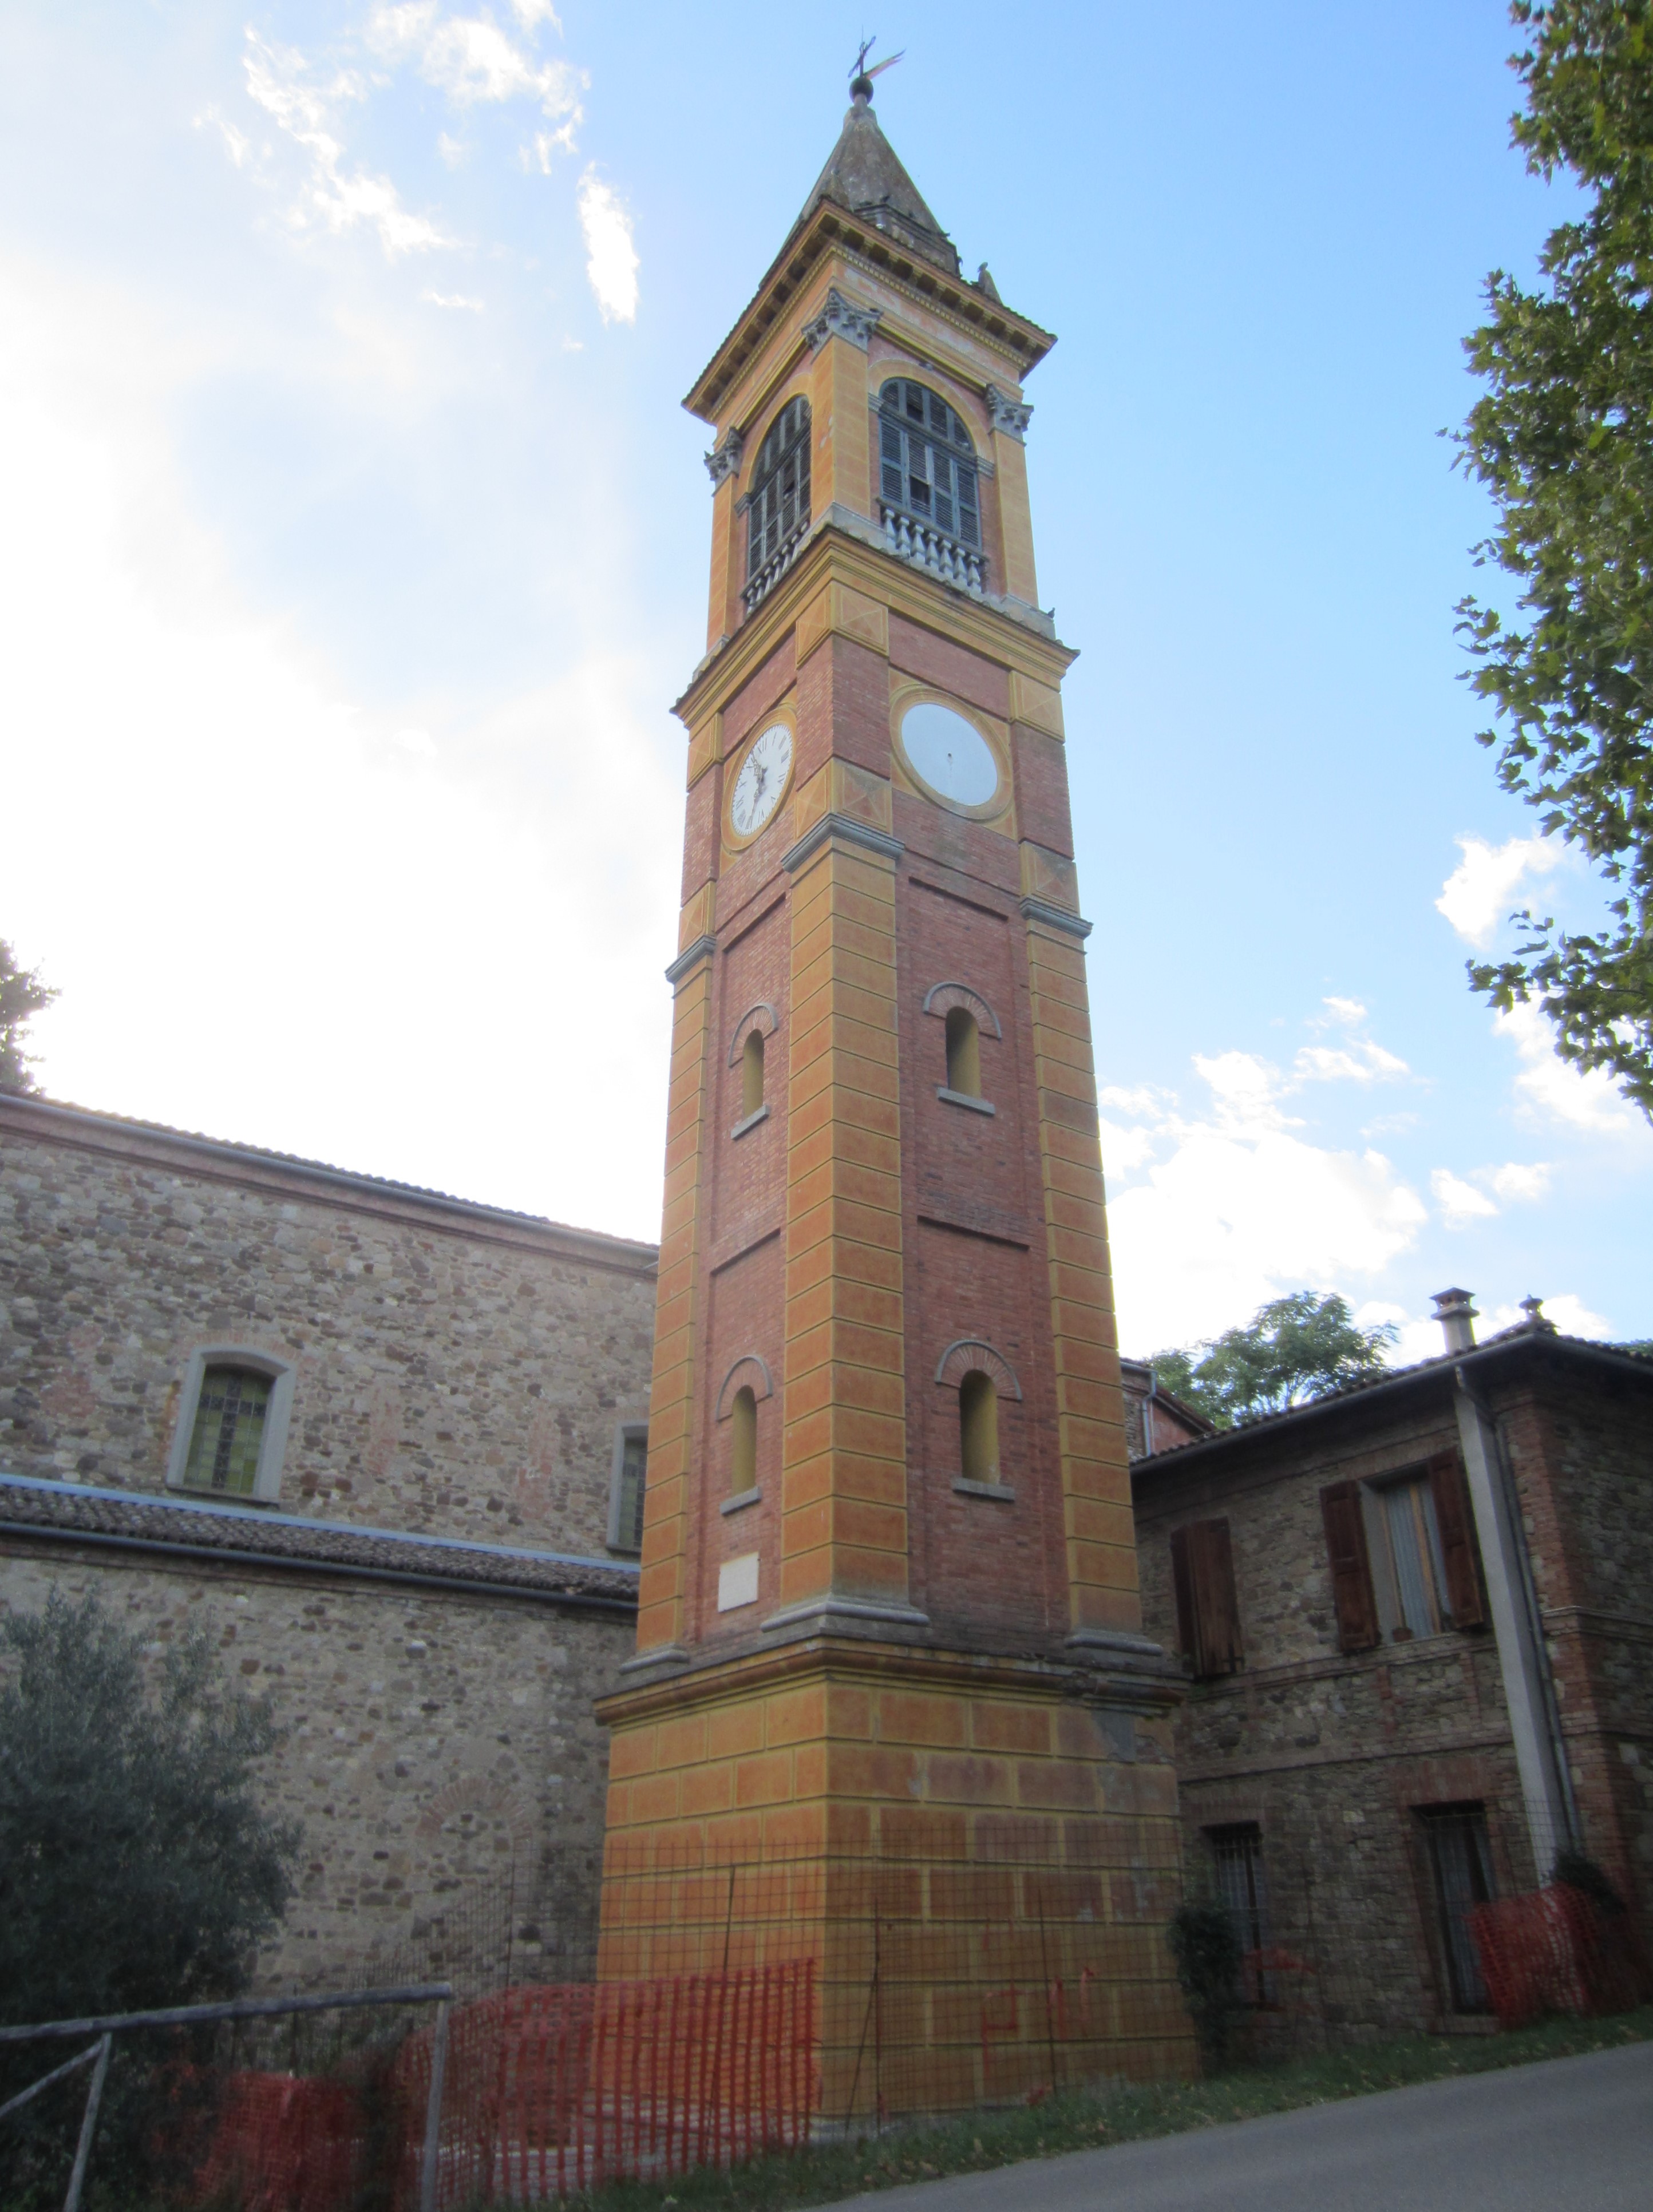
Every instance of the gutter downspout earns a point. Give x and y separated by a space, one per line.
1518 1631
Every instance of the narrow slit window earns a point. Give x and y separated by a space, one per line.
751 1074
978 1426
963 1052
742 1443
227 1438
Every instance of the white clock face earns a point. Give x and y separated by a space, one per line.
762 780
949 754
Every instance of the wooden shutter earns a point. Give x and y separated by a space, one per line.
1351 1589
1207 1608
1456 1523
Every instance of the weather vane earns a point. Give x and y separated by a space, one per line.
861 81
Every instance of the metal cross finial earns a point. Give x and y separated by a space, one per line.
861 81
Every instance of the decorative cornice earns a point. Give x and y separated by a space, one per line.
1010 416
1055 917
723 460
841 318
689 958
849 832
825 1610
848 547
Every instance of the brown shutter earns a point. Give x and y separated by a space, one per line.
1208 1610
1457 1530
1188 1618
1352 1590
1214 1594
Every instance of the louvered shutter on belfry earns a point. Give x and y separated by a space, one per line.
1351 1589
1454 1520
1207 1608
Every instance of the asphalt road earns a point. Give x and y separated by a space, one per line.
1572 2134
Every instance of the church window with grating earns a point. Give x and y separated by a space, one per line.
228 1437
626 1486
778 505
926 463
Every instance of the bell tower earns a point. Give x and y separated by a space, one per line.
888 1599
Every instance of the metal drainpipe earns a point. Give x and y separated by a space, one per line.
1518 1627
1512 1597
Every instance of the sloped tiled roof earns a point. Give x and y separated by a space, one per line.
248 1536
1525 1334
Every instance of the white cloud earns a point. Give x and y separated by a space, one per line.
453 151
1339 1014
1549 1088
611 259
1520 1182
452 299
1240 1207
1460 1202
278 79
1475 898
471 59
532 12
1570 1313
1361 1061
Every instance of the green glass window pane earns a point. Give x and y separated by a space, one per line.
228 1433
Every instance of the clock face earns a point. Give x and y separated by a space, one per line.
949 754
762 780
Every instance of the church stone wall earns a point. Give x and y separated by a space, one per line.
439 1751
459 1372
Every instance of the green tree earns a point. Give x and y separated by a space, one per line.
1563 440
1291 1349
137 1867
22 995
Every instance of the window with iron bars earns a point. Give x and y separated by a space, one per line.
1242 1885
926 463
778 504
1460 1862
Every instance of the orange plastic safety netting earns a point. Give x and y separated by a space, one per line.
1556 1951
546 2089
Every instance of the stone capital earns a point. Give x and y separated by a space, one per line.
723 460
1010 416
840 320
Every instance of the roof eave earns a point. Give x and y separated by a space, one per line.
1024 343
1425 1375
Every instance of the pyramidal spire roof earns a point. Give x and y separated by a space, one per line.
863 175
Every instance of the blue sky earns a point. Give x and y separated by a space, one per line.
356 548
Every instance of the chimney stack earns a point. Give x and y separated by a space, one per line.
1457 1318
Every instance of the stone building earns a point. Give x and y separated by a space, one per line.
1416 1618
388 1447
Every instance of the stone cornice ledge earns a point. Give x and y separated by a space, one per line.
848 832
689 958
1055 917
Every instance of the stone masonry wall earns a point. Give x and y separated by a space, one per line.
440 1753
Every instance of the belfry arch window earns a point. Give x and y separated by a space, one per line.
777 509
926 462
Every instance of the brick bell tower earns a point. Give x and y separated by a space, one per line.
888 1599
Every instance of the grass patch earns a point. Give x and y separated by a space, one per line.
1084 2119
